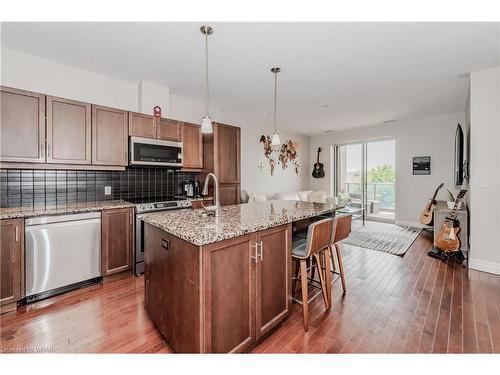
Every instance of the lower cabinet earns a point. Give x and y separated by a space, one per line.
247 279
273 277
218 298
117 234
231 295
12 263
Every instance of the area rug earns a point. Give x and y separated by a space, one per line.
390 238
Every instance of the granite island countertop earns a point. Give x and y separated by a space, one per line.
199 229
70 208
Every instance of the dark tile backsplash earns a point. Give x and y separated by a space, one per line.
38 188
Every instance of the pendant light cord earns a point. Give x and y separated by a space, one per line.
206 72
275 99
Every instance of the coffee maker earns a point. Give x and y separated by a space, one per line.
192 189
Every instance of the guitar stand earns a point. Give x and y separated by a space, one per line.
453 257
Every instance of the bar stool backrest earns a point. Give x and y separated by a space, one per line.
342 227
319 236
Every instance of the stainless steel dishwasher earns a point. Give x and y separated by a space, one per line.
63 252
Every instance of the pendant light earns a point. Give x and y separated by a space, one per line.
275 139
206 123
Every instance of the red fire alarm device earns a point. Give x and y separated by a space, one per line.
157 111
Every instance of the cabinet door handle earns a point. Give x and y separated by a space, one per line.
17 233
256 257
261 245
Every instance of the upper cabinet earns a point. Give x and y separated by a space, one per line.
221 155
140 125
192 146
69 138
110 136
146 126
228 153
22 127
68 134
168 129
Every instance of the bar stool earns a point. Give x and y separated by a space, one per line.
342 231
319 238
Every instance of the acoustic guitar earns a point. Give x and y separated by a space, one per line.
428 213
319 169
447 238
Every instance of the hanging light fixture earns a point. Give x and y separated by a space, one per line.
206 123
275 139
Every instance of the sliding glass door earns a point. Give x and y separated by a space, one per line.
364 177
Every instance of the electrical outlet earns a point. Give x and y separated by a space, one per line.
107 190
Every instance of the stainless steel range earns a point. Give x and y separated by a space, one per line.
142 207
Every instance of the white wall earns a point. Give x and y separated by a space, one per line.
485 170
433 136
150 95
31 73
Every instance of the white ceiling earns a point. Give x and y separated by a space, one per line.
365 72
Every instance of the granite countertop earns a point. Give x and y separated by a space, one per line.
71 208
195 227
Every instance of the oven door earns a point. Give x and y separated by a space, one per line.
155 152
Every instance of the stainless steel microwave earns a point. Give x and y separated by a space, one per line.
155 152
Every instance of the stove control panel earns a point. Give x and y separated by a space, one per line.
161 206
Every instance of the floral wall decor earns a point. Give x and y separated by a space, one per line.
286 154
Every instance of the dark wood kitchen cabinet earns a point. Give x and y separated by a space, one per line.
11 263
230 294
228 153
221 155
248 278
229 194
109 136
141 125
273 278
192 146
22 126
69 128
230 270
117 236
146 126
168 129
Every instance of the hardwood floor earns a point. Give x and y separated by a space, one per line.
410 304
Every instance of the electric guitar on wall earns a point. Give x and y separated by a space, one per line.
319 169
447 238
428 213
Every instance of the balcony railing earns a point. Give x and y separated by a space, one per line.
382 192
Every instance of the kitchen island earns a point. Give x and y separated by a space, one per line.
221 284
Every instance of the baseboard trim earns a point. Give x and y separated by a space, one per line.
414 224
484 266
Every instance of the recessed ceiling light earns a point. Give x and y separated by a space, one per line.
264 113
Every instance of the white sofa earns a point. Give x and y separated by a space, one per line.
307 196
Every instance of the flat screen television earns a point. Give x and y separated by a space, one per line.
459 156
